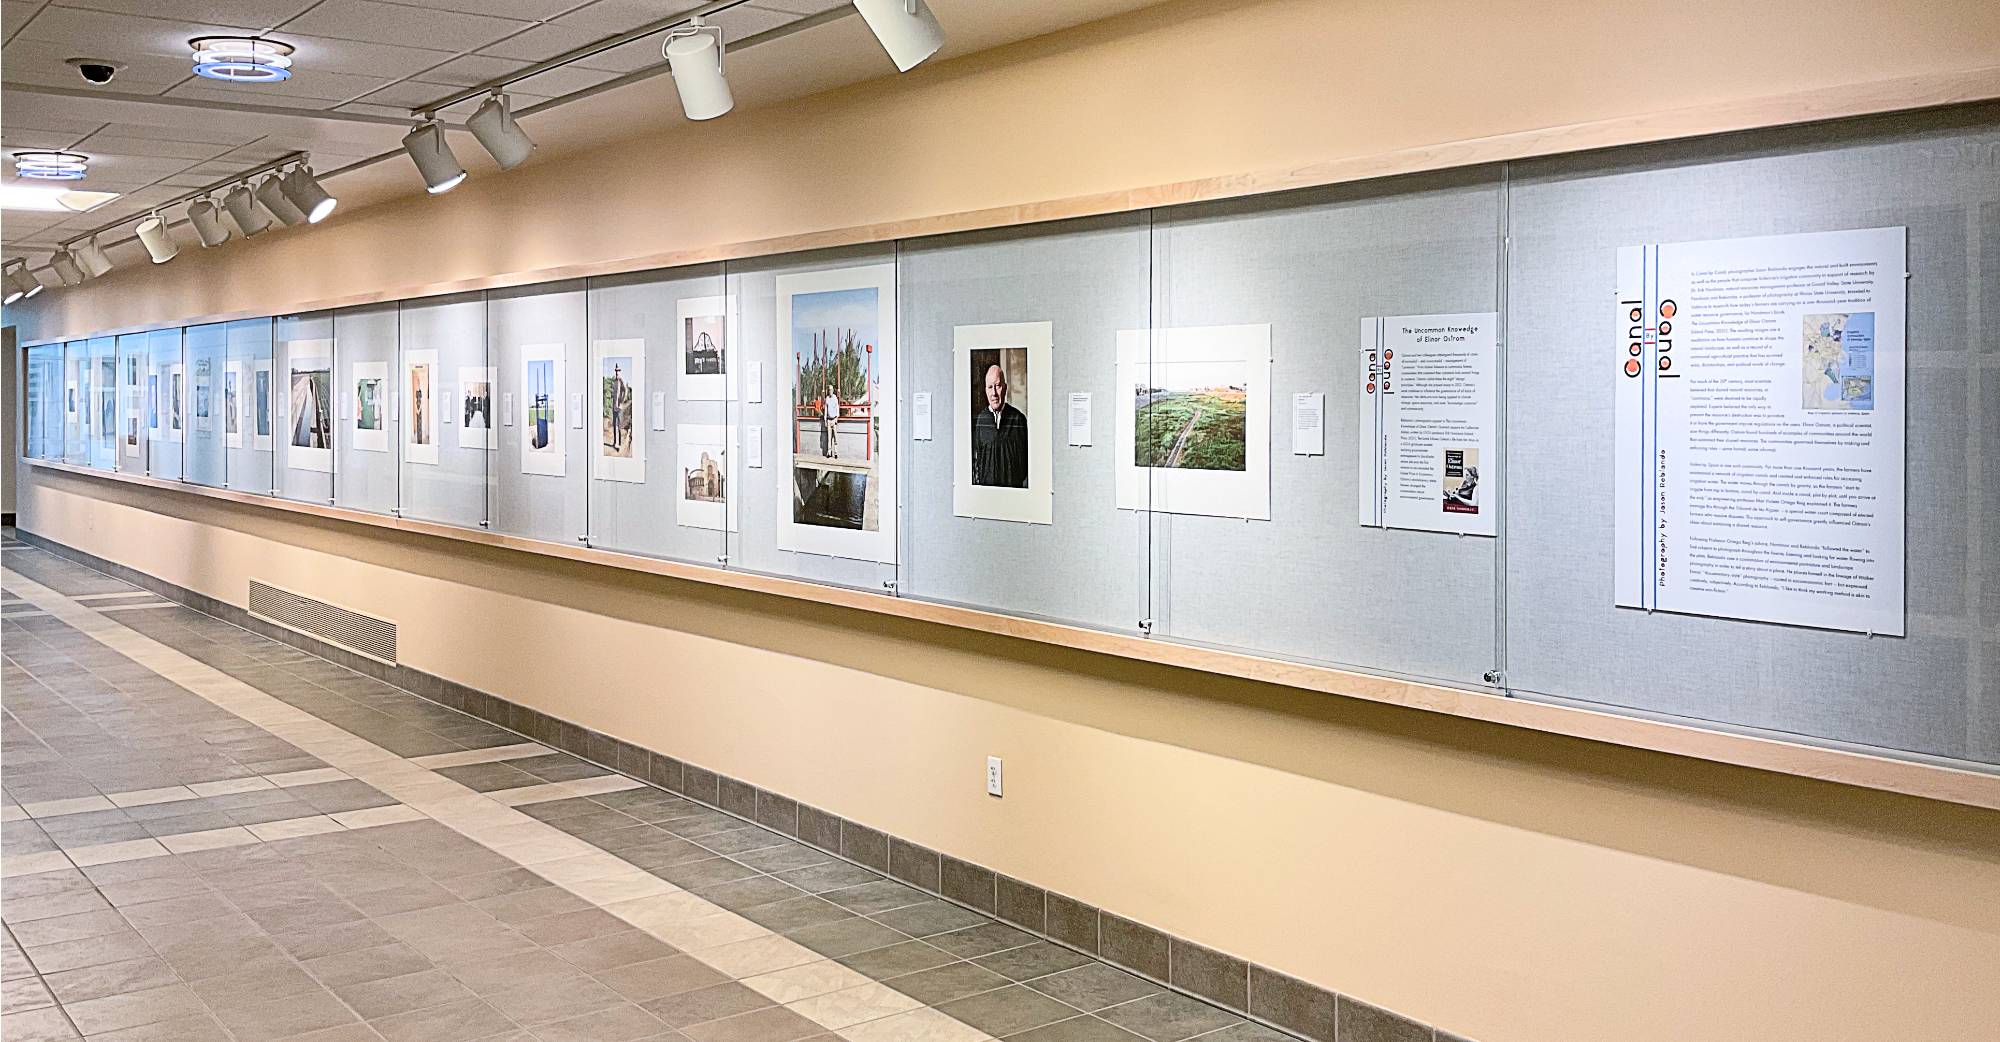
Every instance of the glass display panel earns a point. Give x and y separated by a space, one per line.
662 472
1259 537
207 351
819 400
299 396
101 425
1931 690
76 403
539 481
165 406
443 447
43 382
367 427
249 353
1001 510
133 360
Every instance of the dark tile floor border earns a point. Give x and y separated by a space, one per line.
1228 981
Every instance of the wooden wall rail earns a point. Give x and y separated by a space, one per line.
1967 785
1849 100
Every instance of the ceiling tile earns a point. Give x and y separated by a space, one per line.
372 22
214 132
45 63
226 94
12 138
15 13
362 58
525 10
314 83
105 143
472 70
365 109
119 37
256 14
803 7
557 82
609 17
740 23
545 41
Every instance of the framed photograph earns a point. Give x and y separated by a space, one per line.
261 405
153 404
1003 417
703 492
703 334
232 405
204 394
475 407
840 328
176 402
132 407
309 393
371 406
620 454
541 405
420 407
1194 421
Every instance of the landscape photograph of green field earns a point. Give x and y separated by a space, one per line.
1191 416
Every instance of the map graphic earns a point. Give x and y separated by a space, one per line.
1839 368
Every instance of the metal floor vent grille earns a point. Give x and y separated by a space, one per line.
361 634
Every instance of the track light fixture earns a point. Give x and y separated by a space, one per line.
241 59
68 271
302 187
243 210
503 139
694 54
208 226
271 192
21 283
428 149
159 242
51 165
95 263
907 29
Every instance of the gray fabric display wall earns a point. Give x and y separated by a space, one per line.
249 349
1529 613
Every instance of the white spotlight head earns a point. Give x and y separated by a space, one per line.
271 192
907 28
428 149
498 134
306 193
694 53
243 210
207 223
67 270
95 263
158 241
17 284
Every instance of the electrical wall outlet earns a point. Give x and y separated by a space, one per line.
993 776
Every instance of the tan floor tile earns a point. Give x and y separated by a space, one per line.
40 1025
113 1012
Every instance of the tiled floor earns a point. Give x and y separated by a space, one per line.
212 836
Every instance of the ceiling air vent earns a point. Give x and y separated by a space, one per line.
361 634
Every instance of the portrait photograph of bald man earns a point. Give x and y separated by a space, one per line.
1004 462
999 427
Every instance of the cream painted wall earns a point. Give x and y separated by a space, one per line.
1185 90
1503 884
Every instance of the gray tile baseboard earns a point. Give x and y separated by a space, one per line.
1243 987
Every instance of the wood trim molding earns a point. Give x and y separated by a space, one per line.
1939 781
1838 102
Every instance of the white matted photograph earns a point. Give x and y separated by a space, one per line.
371 406
260 405
1003 414
620 370
1194 421
309 390
232 405
420 407
840 329
703 334
541 405
703 493
475 408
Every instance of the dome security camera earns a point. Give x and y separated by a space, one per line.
95 71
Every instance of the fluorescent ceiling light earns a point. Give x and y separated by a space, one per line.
54 200
48 165
241 59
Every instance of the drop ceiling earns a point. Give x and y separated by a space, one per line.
156 131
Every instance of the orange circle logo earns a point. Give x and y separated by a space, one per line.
1632 350
1371 388
1631 367
1388 354
1635 314
1666 362
1667 309
1666 327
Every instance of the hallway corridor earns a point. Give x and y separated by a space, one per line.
212 836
